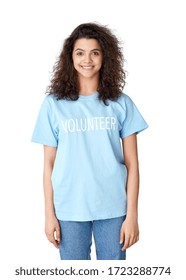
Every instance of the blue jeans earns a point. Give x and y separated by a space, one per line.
76 239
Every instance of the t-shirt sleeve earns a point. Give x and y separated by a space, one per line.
45 131
133 121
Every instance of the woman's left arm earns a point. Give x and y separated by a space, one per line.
129 233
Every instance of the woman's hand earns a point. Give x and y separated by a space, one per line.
129 233
52 230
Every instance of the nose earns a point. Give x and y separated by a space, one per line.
87 58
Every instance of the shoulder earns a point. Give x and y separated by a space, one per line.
123 100
50 100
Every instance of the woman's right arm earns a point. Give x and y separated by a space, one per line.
52 229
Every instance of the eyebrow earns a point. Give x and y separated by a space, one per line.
78 49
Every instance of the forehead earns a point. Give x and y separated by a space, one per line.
86 44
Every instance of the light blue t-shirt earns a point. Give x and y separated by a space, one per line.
89 175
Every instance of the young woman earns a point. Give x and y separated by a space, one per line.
91 181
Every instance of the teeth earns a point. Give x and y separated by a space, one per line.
87 67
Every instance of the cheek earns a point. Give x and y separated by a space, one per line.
100 62
75 64
76 61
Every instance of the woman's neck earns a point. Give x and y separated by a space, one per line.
88 87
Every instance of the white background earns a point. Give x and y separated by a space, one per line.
153 35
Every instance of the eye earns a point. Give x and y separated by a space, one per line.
95 53
79 53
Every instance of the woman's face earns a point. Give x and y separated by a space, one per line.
87 58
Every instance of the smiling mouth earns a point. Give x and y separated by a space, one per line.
87 67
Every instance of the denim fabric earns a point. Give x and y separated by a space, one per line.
76 239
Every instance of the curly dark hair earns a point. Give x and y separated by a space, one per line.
64 81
